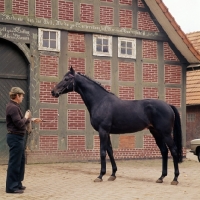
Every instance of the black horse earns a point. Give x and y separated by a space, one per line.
109 114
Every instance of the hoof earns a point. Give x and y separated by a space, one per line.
98 180
174 183
159 181
112 178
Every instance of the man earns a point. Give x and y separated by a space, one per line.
16 126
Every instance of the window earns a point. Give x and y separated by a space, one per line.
191 117
49 40
102 45
126 47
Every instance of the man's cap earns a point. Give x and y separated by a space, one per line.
16 90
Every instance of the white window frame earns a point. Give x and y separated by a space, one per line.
40 40
97 53
133 41
191 117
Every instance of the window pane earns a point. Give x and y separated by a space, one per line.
53 44
123 44
99 48
45 34
99 41
53 35
123 50
105 42
129 44
129 51
45 43
105 48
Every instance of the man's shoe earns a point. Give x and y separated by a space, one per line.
16 191
22 188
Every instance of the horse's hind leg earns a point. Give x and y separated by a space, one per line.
112 160
173 149
164 152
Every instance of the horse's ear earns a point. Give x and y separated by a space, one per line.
72 70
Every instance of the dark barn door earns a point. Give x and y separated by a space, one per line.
14 70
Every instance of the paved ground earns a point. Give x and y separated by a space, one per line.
135 181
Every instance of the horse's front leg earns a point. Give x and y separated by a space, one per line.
112 160
103 147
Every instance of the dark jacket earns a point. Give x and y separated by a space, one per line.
15 120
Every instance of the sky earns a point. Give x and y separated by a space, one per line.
186 13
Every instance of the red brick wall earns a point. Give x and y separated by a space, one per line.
173 74
150 93
140 4
76 42
126 2
150 72
50 117
173 96
106 15
126 93
65 10
125 18
48 142
169 53
76 119
45 92
20 7
126 71
74 98
126 142
145 22
149 49
48 65
78 64
43 8
102 69
2 6
87 13
76 142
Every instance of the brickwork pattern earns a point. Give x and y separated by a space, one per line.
126 71
45 94
125 18
50 119
106 15
125 2
150 72
149 49
76 42
145 22
66 10
126 142
150 93
173 96
169 53
87 13
140 4
78 64
173 74
76 142
76 119
48 143
126 93
74 98
102 69
43 8
20 7
49 65
2 6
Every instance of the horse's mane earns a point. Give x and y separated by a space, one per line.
98 83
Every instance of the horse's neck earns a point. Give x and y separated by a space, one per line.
91 93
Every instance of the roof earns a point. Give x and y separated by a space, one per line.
192 80
173 30
193 88
195 39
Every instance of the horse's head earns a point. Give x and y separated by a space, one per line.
66 85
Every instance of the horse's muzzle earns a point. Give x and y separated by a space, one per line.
54 94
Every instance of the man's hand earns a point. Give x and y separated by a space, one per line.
27 114
36 120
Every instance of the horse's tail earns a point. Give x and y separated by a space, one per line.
177 134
